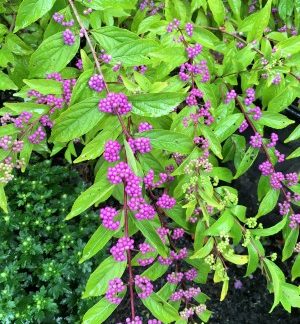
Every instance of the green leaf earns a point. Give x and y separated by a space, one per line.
132 162
285 8
277 280
247 161
260 22
26 153
98 192
6 83
296 268
236 258
8 129
235 6
160 309
294 154
77 120
205 250
17 108
155 104
288 47
271 230
268 203
17 46
45 86
222 224
253 257
274 120
290 243
221 173
155 271
98 281
228 126
30 11
214 143
109 37
218 10
169 141
99 312
224 289
205 37
283 99
177 214
148 230
96 146
81 91
96 243
134 52
3 200
52 56
109 4
294 135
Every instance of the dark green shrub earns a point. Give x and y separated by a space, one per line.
40 278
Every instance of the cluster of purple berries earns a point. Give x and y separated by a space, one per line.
115 286
141 145
115 103
193 51
68 37
230 95
60 19
107 215
97 83
188 70
145 285
149 180
112 151
142 209
122 173
192 98
141 69
123 244
256 140
250 96
189 28
173 25
165 201
144 127
256 112
186 294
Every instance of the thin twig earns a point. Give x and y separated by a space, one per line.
125 205
87 37
264 147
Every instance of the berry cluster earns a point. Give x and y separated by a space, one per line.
144 127
141 145
115 286
250 96
193 51
230 95
68 37
166 201
107 215
112 151
118 251
115 103
97 83
145 285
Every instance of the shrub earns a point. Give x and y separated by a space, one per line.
170 103
41 280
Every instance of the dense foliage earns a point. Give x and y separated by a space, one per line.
169 102
40 278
